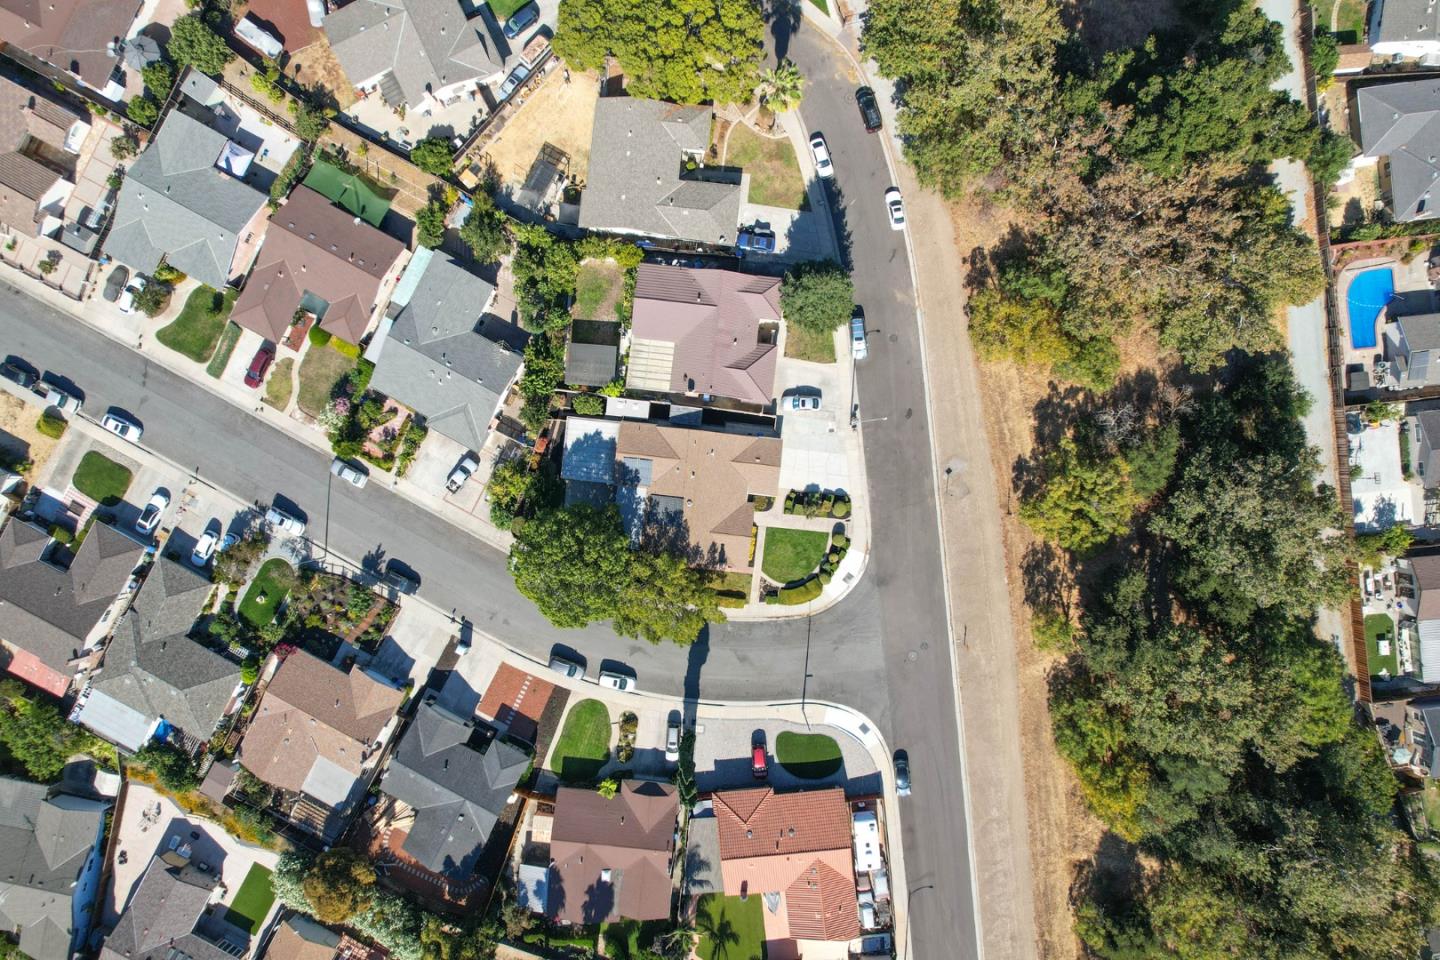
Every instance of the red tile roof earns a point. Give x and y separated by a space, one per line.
763 823
516 699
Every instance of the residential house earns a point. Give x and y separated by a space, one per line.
1398 126
795 847
1407 28
318 734
56 606
82 38
456 776
591 364
1425 436
1422 731
185 199
52 844
680 483
155 681
39 137
417 54
174 913
1412 345
610 859
648 177
1422 571
319 259
442 354
705 333
297 937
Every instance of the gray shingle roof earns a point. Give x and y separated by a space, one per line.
153 667
176 203
47 611
637 153
160 921
1402 121
591 364
44 845
1405 21
1422 331
442 361
457 785
425 44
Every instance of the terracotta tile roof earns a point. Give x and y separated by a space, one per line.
821 904
611 858
516 699
314 246
713 318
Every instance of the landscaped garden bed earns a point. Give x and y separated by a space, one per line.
792 555
816 503
797 591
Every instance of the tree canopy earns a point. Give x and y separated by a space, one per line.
817 295
484 230
433 155
193 43
339 884
686 51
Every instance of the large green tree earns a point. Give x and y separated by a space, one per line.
817 295
687 51
484 230
339 884
193 43
1084 499
664 598
572 563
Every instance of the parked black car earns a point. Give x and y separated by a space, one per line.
869 109
16 371
523 18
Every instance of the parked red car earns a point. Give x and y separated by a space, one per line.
260 365
758 764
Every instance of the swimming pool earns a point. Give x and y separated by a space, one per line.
1369 292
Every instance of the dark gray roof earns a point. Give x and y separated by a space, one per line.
1402 121
161 919
1422 331
425 44
47 611
153 667
1428 446
44 844
637 153
175 202
1407 21
591 364
457 785
443 360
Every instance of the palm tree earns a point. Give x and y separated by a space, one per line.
719 931
675 943
780 89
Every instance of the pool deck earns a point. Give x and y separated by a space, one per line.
1411 282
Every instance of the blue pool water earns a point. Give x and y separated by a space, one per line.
1368 294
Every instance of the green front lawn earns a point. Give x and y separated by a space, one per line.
101 479
279 386
228 339
810 756
270 583
732 589
505 9
792 554
803 344
598 288
584 743
197 329
1379 625
322 368
253 901
730 928
775 179
1349 23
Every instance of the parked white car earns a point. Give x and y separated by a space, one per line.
149 519
59 399
284 521
205 546
349 473
127 299
818 149
799 402
463 470
895 207
616 681
122 427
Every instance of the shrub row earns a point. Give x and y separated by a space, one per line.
816 504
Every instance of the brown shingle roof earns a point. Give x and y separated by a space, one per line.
74 35
630 837
713 318
314 246
33 113
712 474
22 183
313 710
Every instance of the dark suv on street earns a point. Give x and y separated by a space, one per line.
869 109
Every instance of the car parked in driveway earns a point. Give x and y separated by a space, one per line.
521 20
799 402
617 681
895 208
259 365
122 426
672 740
759 762
755 240
512 83
463 470
205 546
348 472
149 518
566 667
115 283
127 299
821 152
869 109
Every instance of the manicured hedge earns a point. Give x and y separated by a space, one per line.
801 593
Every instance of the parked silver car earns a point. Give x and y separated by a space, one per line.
348 472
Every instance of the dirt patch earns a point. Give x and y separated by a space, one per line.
558 113
315 67
598 289
20 441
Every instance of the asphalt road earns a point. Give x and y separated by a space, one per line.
883 650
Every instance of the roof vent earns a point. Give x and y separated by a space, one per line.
605 875
749 834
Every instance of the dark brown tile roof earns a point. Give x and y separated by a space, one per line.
35 113
74 35
314 246
611 858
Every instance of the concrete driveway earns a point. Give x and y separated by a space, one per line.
723 761
818 443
